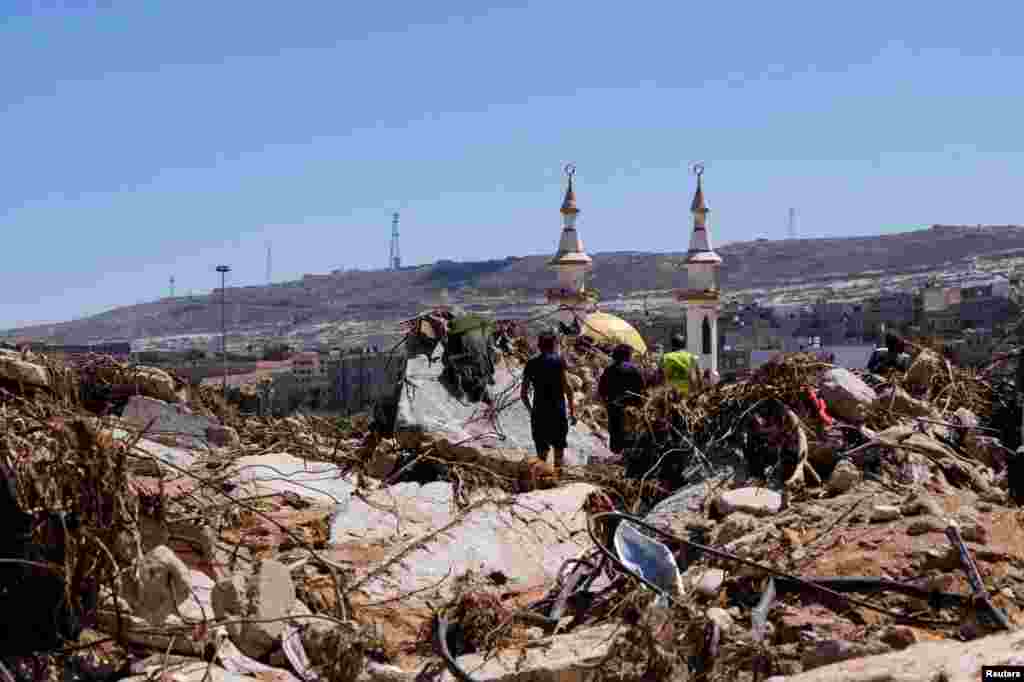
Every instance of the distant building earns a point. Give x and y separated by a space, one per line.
308 369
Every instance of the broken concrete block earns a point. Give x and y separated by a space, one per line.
155 383
256 600
754 501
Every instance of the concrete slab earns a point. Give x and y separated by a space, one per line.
281 472
426 406
528 542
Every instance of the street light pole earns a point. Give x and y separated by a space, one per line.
223 270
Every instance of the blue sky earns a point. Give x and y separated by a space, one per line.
145 139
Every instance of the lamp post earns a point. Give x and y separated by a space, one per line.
223 270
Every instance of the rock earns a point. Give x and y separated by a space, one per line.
755 501
903 403
948 660
722 618
844 477
575 382
222 436
988 450
710 582
14 368
155 383
925 366
565 658
846 395
164 418
735 526
267 594
973 531
884 512
899 636
927 524
835 650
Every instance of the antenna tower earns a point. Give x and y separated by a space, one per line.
172 286
268 263
792 223
395 261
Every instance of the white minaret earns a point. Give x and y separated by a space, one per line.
701 295
570 263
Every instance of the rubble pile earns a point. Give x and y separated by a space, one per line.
808 523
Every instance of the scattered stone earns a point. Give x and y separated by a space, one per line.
884 512
331 644
844 477
755 501
14 368
735 526
973 531
846 395
155 383
710 582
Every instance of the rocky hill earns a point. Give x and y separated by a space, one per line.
383 295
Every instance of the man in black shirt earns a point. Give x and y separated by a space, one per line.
621 386
546 373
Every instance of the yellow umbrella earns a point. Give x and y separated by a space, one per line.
605 328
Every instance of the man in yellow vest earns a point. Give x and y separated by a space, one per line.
680 368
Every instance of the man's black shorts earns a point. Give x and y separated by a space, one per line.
550 429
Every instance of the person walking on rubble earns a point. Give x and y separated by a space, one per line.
680 368
621 386
548 376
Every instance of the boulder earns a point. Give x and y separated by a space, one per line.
14 368
754 501
844 477
256 600
846 395
948 660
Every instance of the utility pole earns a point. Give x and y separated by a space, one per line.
172 286
223 270
268 263
395 260
792 223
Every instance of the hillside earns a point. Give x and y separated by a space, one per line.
383 295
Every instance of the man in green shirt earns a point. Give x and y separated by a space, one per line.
681 368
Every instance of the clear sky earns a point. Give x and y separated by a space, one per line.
142 139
